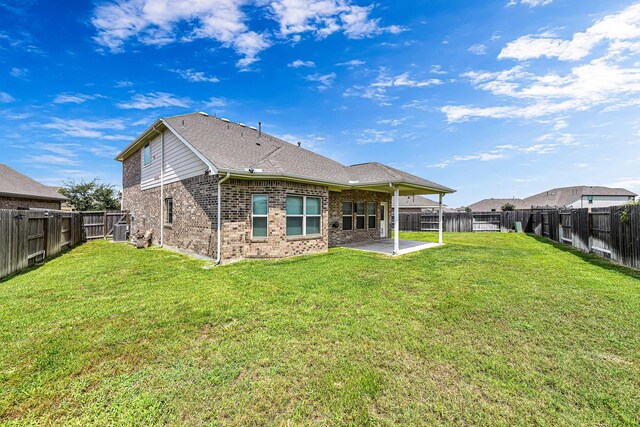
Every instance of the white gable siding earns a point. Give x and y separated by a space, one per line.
180 162
600 201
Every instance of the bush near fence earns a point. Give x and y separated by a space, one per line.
30 236
613 233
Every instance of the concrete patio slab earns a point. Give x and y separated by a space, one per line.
385 246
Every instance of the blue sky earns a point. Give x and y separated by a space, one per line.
494 98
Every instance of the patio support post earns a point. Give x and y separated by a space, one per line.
396 221
440 218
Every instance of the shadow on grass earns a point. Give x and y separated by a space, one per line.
590 258
35 267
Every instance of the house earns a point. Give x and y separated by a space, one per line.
582 196
495 205
230 191
413 204
18 191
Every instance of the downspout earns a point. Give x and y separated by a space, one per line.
161 186
220 182
396 219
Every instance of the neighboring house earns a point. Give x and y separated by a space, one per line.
18 191
582 196
65 206
494 205
413 204
230 191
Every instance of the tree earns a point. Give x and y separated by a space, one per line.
467 209
508 207
90 196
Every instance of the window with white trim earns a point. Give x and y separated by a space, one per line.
371 215
168 209
347 215
147 154
304 216
360 216
259 216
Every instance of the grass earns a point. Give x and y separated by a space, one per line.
491 329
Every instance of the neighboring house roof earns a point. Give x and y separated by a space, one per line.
563 196
16 184
417 202
488 205
238 149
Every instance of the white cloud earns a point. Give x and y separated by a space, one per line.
375 136
324 80
298 63
160 22
385 81
196 76
123 83
6 98
581 165
352 63
19 73
216 102
51 159
99 129
617 28
154 100
482 157
437 69
530 3
74 98
478 49
392 122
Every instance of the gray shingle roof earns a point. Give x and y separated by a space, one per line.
233 147
15 184
417 202
488 205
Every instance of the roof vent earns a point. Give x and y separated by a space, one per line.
299 143
202 113
253 127
225 120
243 125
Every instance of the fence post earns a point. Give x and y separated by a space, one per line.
104 230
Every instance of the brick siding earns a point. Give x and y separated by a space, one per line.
21 203
338 236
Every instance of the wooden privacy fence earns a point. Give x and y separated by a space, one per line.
100 224
465 222
27 237
612 233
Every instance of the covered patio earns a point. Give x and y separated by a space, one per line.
387 246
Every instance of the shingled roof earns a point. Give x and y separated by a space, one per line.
237 149
16 184
417 202
488 205
562 196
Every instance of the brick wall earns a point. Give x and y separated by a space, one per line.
237 242
338 236
20 203
194 209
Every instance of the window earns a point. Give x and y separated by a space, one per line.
347 216
168 211
371 206
590 199
259 215
360 216
147 154
303 215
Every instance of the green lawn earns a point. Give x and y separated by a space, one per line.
491 329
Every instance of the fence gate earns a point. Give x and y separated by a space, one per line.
566 233
100 224
486 221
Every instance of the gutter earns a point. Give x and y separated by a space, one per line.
220 182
